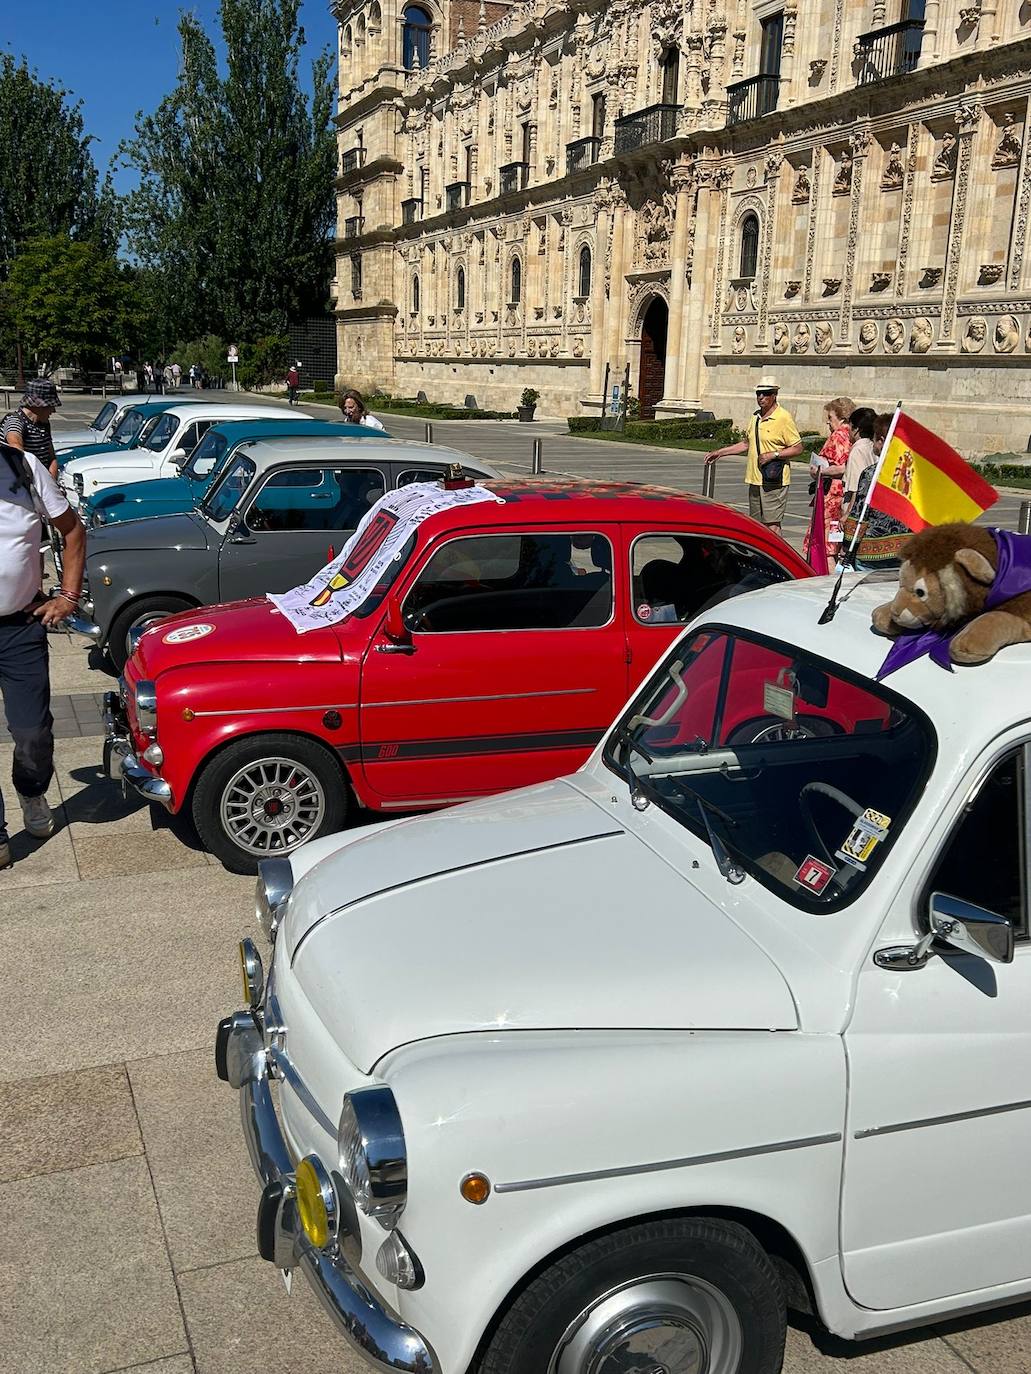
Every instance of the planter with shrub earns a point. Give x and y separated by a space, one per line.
527 404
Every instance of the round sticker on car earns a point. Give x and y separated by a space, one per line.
186 633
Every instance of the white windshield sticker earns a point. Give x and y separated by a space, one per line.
338 589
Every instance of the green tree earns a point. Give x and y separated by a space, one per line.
236 202
70 302
47 174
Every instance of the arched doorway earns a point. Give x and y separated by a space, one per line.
652 378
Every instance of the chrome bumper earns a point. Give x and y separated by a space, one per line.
383 1341
79 624
121 764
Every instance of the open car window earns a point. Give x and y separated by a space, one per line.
201 462
128 427
221 501
804 774
675 577
162 432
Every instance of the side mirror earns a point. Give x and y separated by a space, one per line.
399 637
971 928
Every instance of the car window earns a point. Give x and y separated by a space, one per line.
162 432
190 436
128 427
221 500
103 415
676 576
411 475
514 582
985 859
202 460
315 499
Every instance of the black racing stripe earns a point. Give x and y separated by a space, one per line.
395 751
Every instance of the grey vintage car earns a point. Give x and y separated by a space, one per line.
281 510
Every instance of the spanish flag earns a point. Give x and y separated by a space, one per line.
921 481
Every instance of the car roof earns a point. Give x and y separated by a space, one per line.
377 447
152 407
285 427
972 705
251 409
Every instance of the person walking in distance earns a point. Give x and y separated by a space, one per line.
293 382
28 427
29 497
773 440
353 410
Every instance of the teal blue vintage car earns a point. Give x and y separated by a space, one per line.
133 429
171 495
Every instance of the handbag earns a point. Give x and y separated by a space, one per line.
772 473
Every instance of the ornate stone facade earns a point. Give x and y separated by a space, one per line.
562 195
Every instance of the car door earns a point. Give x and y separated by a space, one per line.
936 1199
293 522
516 666
674 576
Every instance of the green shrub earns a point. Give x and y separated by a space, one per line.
583 424
396 405
656 431
530 397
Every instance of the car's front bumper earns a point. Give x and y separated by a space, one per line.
385 1342
121 763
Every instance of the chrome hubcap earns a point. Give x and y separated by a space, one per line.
665 1324
271 805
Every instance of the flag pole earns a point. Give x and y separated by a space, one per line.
830 610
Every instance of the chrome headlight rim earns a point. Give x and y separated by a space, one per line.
373 1154
253 973
325 1194
272 894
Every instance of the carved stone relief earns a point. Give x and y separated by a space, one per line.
823 337
944 166
740 340
1007 152
894 170
894 336
976 334
802 189
922 335
801 338
780 338
843 176
869 332
1006 335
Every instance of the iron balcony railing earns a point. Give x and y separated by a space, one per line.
891 51
411 210
655 124
457 195
351 160
752 99
353 226
582 154
513 177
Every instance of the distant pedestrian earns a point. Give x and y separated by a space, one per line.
828 470
177 375
861 455
148 378
29 498
28 427
293 383
159 378
354 412
773 440
169 377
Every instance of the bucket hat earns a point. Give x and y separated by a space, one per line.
40 391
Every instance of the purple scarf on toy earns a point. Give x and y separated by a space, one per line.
1012 578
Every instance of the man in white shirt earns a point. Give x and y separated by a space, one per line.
28 497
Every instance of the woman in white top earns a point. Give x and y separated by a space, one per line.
861 455
353 408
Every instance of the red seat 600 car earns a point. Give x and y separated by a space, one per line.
495 653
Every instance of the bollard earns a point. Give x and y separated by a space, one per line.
429 432
536 462
1024 524
709 481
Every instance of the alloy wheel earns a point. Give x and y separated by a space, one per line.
271 805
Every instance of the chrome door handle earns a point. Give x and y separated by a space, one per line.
395 648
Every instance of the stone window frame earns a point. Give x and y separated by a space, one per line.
415 294
584 246
515 279
747 212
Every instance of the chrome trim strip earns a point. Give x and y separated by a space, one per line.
278 710
944 1120
626 1170
280 1061
497 696
415 803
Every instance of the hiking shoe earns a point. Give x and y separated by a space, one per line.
39 819
5 853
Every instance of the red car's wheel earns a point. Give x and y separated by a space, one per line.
770 729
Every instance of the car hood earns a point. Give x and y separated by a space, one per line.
534 910
93 451
72 437
237 632
183 530
158 488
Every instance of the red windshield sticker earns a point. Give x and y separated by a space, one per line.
813 874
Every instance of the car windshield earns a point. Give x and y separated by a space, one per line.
128 427
201 462
792 770
103 416
220 503
160 435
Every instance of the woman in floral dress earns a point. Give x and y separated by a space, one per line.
828 469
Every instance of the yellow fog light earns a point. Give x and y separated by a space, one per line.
475 1188
253 974
316 1201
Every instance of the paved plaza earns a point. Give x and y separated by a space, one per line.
128 1240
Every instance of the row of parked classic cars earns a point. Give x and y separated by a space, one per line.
609 1072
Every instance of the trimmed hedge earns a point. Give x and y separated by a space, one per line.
660 432
396 405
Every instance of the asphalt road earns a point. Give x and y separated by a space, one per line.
128 1203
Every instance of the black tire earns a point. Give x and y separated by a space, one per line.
151 608
766 729
300 775
570 1298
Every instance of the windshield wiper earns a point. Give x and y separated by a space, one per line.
642 793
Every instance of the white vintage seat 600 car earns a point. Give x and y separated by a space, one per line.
605 1074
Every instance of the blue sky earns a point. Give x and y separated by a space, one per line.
119 59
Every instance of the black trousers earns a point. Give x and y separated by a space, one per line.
25 684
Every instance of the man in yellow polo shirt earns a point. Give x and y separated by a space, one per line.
773 440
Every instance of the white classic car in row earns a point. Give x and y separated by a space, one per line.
605 1074
174 435
101 427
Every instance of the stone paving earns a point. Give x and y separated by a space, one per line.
128 1202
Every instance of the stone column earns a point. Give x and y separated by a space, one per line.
602 206
682 178
787 59
703 299
929 43
860 143
967 119
617 269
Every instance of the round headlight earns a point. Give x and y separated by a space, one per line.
316 1201
373 1156
253 974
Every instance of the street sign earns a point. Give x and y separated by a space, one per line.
233 355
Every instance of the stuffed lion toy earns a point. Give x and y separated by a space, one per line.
964 594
